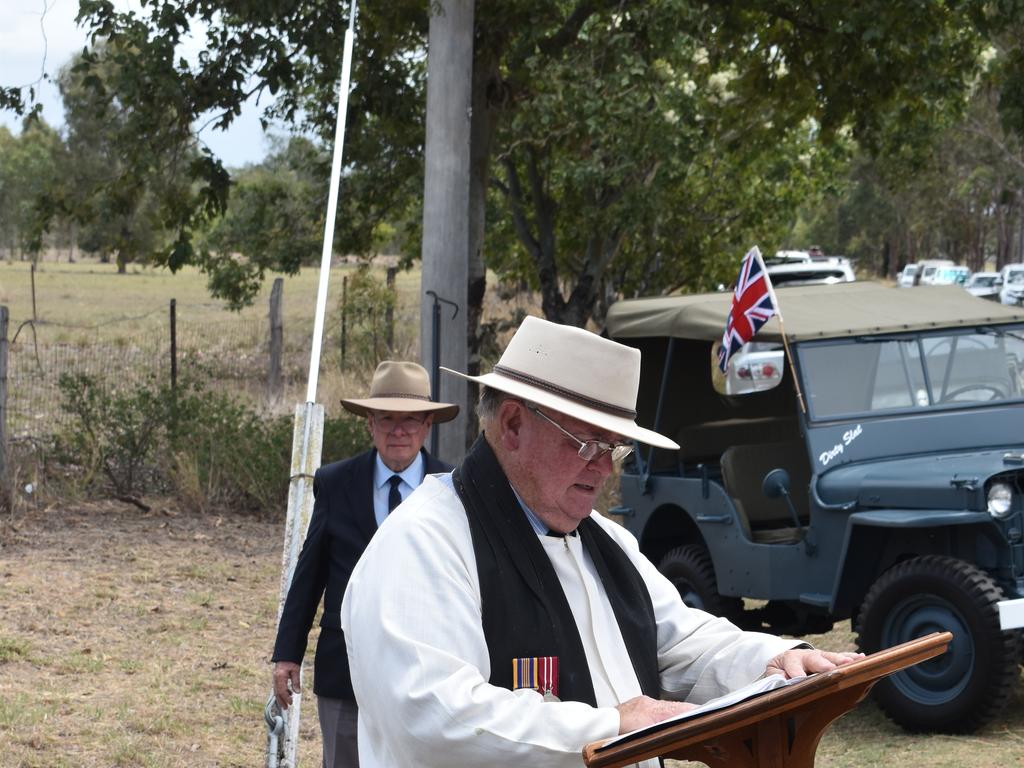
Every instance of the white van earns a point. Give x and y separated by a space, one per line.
932 271
1012 290
948 274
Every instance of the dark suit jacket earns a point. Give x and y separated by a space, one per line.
339 530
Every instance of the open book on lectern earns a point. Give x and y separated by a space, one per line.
760 686
771 722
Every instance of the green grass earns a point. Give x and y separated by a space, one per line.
13 649
19 711
80 663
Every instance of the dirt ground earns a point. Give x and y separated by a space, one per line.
143 639
138 639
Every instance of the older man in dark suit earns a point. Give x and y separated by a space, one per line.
353 497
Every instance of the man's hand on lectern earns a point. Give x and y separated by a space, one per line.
641 711
805 661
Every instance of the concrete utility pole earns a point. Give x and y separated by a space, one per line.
446 227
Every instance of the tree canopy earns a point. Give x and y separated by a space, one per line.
624 147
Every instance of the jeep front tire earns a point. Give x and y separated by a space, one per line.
691 572
964 688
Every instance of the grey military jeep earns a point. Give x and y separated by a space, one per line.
874 473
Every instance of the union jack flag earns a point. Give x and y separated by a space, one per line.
752 306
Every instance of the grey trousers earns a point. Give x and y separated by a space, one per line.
338 719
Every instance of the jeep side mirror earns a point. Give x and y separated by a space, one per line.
776 484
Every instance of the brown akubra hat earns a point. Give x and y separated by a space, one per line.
403 387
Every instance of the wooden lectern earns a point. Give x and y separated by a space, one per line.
777 729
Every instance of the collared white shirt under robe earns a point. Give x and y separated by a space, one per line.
419 660
411 476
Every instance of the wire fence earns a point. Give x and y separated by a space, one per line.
229 351
222 349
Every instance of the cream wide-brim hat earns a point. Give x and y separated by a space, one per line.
575 372
402 387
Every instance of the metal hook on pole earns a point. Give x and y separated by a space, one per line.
435 345
438 301
275 732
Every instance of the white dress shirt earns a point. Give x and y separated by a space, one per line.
411 476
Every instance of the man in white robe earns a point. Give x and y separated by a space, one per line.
424 613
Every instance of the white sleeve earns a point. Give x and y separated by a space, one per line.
700 656
419 660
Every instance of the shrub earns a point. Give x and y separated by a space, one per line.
206 448
220 453
344 436
113 433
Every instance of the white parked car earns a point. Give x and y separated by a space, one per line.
1012 289
908 276
984 285
820 270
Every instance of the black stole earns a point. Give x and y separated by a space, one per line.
525 612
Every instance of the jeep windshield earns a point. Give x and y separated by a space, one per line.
941 370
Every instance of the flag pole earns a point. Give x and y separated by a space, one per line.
782 329
307 434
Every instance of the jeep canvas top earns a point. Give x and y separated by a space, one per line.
901 500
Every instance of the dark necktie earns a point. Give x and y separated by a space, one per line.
394 497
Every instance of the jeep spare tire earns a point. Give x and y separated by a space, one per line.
965 687
691 572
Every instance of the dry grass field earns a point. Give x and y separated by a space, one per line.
83 305
137 640
93 294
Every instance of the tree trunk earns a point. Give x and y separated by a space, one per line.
1020 232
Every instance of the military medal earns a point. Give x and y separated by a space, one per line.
538 673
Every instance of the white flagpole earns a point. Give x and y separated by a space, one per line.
332 204
782 328
283 726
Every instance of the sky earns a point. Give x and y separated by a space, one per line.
40 36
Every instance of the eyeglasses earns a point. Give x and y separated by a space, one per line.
391 423
589 449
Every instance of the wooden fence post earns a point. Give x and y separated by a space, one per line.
174 344
33 271
389 313
3 400
344 308
274 383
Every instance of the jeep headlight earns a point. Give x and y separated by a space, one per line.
1000 500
